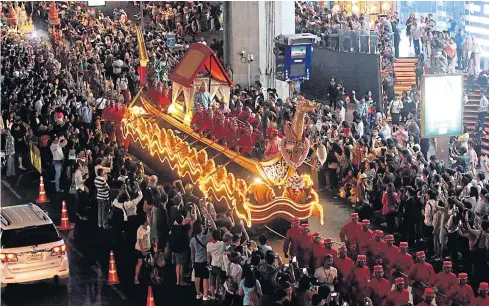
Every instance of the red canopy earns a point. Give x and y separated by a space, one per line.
199 56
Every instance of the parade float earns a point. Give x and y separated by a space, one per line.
54 23
256 191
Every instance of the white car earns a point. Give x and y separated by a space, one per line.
31 248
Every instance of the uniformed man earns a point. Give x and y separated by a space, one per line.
359 278
319 251
444 280
428 296
349 232
389 255
344 265
421 276
461 295
378 287
374 247
403 263
328 245
365 234
291 242
482 299
398 296
305 247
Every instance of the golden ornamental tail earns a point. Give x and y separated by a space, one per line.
143 54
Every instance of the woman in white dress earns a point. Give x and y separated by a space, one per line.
476 48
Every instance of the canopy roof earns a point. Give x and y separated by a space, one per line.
199 56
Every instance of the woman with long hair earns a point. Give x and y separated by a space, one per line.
409 24
390 200
250 288
471 71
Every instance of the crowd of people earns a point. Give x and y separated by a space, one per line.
69 99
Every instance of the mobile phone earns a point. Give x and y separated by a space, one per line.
334 294
304 271
294 259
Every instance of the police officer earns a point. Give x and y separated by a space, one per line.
328 245
374 247
365 234
428 296
378 287
421 276
398 296
444 280
359 278
461 295
403 263
344 265
482 299
291 242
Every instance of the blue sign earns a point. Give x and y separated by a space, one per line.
293 62
170 40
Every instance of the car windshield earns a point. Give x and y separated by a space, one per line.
28 236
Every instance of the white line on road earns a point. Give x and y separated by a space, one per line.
95 269
9 187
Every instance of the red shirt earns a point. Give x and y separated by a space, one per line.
319 253
349 231
403 262
363 236
462 294
374 247
360 277
331 252
344 267
291 242
197 119
379 288
425 304
480 301
422 272
219 130
397 298
389 254
444 281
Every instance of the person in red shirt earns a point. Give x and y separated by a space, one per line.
403 263
349 231
232 136
305 247
358 279
207 122
328 244
319 251
389 255
428 296
197 118
399 296
365 234
291 242
421 276
374 247
344 265
443 282
378 287
462 294
219 130
482 299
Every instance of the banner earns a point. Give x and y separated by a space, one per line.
35 155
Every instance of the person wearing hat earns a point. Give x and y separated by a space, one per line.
349 232
319 251
444 280
373 247
398 296
404 261
291 242
389 255
344 265
428 296
421 275
365 234
359 278
463 293
305 253
197 118
482 299
327 274
378 287
328 244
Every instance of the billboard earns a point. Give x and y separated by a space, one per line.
442 105
35 156
293 62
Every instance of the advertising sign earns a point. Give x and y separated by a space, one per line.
35 155
442 105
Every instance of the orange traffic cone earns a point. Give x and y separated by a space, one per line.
42 198
113 278
65 221
150 301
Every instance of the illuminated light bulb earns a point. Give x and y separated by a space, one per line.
355 9
171 108
258 180
321 153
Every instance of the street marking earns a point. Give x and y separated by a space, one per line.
9 187
95 269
